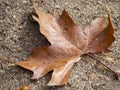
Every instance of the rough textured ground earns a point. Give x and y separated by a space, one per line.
18 36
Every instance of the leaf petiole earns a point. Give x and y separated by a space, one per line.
116 74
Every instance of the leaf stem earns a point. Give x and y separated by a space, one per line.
116 74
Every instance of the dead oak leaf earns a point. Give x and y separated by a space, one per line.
68 43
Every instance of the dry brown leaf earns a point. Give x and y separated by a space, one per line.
23 88
68 43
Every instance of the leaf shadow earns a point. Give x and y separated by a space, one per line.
30 36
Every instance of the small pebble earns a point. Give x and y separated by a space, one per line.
91 76
24 2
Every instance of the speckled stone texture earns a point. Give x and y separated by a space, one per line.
18 36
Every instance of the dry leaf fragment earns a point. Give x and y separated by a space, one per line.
68 43
23 88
